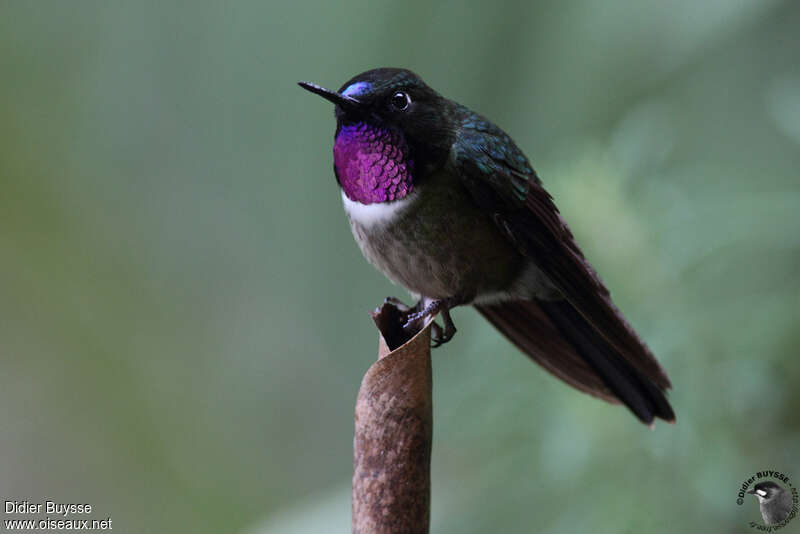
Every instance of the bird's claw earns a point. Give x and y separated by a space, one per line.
441 336
436 333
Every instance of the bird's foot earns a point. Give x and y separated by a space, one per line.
416 319
440 337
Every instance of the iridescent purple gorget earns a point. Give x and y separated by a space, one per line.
372 163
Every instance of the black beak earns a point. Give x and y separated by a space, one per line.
347 103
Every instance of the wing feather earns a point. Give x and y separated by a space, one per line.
502 182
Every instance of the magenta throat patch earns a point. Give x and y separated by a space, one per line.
372 164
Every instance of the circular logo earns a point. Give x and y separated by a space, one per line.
777 499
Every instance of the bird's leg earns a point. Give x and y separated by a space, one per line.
431 308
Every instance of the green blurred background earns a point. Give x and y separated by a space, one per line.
183 312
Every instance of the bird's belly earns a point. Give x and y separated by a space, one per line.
436 244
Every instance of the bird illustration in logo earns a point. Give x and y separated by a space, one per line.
775 501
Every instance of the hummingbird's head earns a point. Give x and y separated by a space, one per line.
765 491
391 129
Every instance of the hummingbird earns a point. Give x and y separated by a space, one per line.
444 204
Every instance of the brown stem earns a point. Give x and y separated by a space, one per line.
393 433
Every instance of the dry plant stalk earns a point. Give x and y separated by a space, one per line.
393 433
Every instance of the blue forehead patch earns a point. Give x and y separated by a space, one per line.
357 88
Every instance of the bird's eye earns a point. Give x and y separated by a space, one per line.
400 101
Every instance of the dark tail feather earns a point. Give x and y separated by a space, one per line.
555 335
526 325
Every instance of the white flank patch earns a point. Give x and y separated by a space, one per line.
378 213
